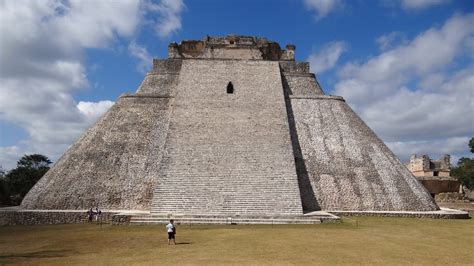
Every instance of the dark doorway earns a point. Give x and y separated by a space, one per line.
230 88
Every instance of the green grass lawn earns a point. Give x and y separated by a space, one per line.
362 240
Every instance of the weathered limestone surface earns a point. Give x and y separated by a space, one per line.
22 217
425 168
349 167
301 84
442 213
228 153
162 80
114 165
231 47
297 80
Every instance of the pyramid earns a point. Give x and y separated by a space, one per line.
230 126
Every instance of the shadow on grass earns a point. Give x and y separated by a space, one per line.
183 243
35 255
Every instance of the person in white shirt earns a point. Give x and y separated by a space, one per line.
171 229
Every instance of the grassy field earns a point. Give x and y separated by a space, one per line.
367 240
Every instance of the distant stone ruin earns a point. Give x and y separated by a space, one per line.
230 126
434 174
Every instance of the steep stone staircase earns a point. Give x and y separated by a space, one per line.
228 154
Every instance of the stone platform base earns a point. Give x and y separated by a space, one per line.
148 219
17 216
443 213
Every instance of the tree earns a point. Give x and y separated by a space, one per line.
35 161
18 181
465 169
4 199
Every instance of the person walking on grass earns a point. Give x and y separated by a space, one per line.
171 229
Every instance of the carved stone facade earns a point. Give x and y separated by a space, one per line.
434 174
273 145
231 47
423 166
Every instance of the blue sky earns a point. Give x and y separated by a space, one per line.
405 66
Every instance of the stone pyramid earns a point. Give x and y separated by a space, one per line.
230 126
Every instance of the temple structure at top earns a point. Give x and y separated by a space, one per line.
231 47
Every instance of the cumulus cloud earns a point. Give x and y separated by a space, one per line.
435 148
387 41
323 7
421 4
417 92
93 110
42 65
10 155
143 56
169 19
327 57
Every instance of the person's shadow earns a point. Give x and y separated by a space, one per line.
183 243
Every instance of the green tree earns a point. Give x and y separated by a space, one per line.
18 181
465 169
4 199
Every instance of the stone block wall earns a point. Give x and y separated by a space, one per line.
349 168
114 165
162 79
294 67
298 81
32 217
439 186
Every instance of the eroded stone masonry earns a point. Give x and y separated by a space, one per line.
230 126
435 175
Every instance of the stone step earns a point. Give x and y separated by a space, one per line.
225 222
220 217
156 220
230 213
209 218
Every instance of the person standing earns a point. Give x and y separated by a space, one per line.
98 212
90 215
171 229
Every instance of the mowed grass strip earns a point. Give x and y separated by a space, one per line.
361 240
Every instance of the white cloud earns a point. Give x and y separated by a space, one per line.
387 41
94 110
430 52
323 7
9 156
169 20
418 92
421 4
96 23
141 53
42 52
327 57
435 148
42 65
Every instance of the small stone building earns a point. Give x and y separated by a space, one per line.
434 174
